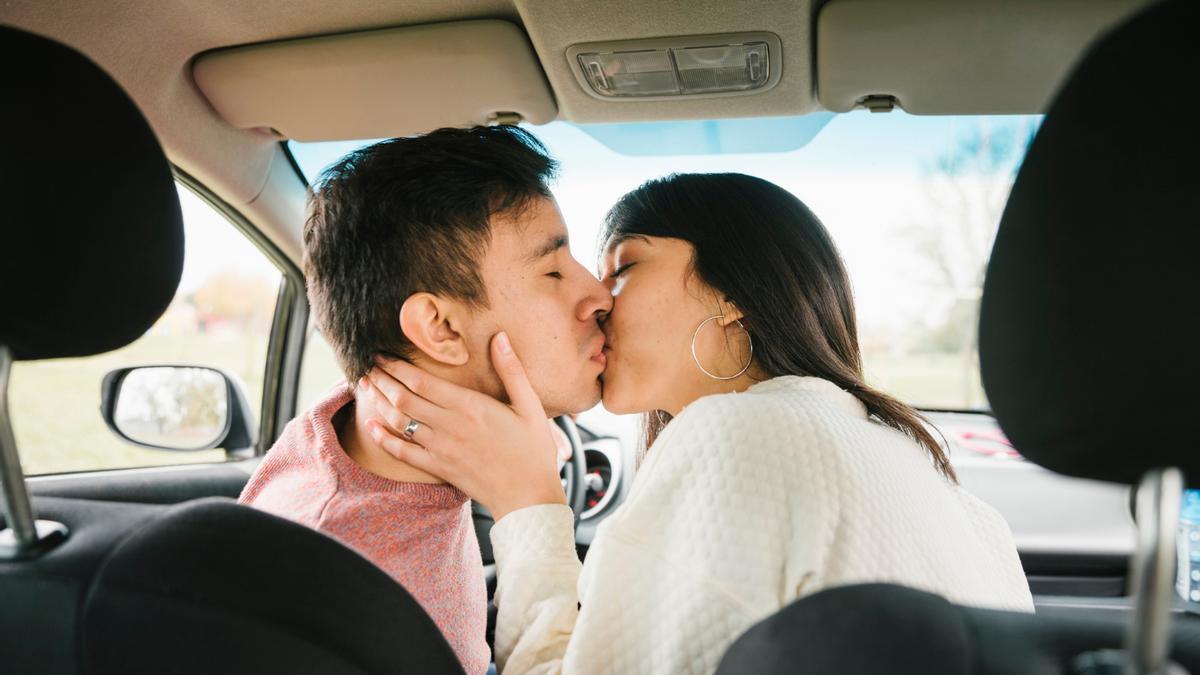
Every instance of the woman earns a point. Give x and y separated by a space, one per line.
772 469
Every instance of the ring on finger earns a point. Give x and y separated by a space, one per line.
411 428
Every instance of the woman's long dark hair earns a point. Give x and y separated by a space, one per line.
764 250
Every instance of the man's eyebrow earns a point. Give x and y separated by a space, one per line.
549 246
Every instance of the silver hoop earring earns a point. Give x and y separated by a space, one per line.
697 359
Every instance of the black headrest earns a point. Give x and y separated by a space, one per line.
92 244
215 587
853 630
1089 335
881 628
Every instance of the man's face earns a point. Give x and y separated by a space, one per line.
549 305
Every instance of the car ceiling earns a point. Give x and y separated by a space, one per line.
149 47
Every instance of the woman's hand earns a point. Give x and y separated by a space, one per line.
503 456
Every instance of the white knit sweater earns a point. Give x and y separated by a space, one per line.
745 502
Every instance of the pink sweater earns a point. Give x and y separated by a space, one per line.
420 534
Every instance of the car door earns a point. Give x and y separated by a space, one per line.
239 309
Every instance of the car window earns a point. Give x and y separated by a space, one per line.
318 371
220 318
912 202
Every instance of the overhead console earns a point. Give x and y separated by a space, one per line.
380 83
954 57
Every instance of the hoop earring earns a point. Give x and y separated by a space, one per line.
697 359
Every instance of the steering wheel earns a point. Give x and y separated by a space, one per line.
573 472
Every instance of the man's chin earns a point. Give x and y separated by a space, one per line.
585 400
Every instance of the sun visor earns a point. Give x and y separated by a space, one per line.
954 57
382 83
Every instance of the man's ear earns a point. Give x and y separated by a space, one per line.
434 326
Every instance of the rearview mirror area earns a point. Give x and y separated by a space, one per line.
180 408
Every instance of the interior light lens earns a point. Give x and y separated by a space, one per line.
644 73
677 71
729 68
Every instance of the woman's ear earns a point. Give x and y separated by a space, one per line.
729 313
434 326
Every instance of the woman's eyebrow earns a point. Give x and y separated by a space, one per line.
610 245
618 239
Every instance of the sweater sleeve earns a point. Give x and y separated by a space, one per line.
700 551
537 570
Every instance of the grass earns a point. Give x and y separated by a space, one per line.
56 403
939 381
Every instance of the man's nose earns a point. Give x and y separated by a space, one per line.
597 300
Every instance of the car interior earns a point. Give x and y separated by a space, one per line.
121 113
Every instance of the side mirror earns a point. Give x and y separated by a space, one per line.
183 408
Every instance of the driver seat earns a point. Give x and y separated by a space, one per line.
208 586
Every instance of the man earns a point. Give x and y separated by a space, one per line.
422 249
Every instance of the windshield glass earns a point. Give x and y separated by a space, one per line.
912 202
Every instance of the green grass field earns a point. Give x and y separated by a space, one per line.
940 381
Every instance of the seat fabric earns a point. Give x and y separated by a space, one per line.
876 629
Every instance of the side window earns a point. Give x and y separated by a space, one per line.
220 318
319 369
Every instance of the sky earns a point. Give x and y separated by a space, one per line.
213 246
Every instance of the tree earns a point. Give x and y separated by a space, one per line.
966 188
245 300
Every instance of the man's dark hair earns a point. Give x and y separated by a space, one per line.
411 215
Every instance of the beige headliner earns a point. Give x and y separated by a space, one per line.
148 46
954 57
380 83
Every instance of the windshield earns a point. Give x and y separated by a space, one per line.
912 202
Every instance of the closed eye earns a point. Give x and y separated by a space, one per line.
621 270
556 275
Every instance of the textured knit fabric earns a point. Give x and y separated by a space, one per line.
744 503
420 534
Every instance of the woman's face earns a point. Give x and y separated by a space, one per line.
658 303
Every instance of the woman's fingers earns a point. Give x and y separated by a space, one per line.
409 453
395 420
512 374
401 399
434 389
500 454
562 444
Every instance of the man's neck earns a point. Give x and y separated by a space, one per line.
356 441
